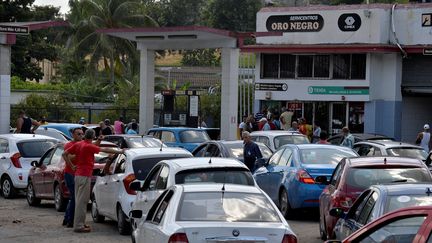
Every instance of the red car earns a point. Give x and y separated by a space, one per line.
354 175
411 224
46 177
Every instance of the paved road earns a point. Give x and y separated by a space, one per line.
22 223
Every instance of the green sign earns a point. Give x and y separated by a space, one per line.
338 90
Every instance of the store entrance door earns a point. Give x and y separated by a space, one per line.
339 119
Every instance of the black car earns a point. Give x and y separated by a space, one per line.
134 141
227 149
358 137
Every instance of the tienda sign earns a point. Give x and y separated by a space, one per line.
295 23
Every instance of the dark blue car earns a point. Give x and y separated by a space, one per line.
183 137
289 175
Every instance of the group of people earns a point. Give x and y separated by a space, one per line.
105 127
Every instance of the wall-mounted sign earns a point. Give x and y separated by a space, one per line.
426 20
349 22
193 105
271 86
427 51
337 90
295 23
24 30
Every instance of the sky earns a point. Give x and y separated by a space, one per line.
63 4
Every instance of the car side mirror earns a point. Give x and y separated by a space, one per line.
321 180
135 186
337 212
34 163
136 214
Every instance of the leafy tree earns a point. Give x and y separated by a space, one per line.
15 10
201 57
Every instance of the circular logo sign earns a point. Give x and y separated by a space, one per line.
349 22
236 233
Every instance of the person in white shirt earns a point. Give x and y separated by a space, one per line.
423 138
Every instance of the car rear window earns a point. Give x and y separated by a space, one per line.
362 178
142 167
137 142
402 201
241 176
34 149
194 136
236 150
226 207
324 155
408 152
289 139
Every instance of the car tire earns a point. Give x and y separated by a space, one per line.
7 188
32 200
60 202
284 205
97 218
123 225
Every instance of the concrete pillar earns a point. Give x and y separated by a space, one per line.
229 98
5 78
146 106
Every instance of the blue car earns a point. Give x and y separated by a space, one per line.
289 175
378 200
65 128
183 137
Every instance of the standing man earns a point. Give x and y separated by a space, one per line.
69 175
423 138
84 152
285 119
24 124
348 138
251 151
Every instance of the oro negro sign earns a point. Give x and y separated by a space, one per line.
295 23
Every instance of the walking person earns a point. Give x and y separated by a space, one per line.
119 126
24 124
423 138
316 133
84 152
251 151
348 138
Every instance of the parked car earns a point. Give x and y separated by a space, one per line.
410 224
390 148
213 213
112 196
276 138
227 149
54 133
65 128
46 177
353 175
183 137
185 171
358 137
289 176
17 151
134 141
377 201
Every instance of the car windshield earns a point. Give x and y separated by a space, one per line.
324 155
402 201
142 167
289 139
34 149
143 142
193 136
362 178
241 176
417 153
226 207
236 150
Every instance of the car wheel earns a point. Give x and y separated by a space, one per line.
97 218
284 205
322 227
8 189
123 225
32 200
59 201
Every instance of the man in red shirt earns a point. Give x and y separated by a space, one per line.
84 152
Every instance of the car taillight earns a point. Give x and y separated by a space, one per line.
342 201
304 177
15 160
128 180
178 238
289 239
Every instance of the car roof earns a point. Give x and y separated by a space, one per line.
367 136
129 136
203 162
176 129
389 144
152 152
217 187
317 146
23 136
379 161
404 188
276 133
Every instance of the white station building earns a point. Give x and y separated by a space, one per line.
365 66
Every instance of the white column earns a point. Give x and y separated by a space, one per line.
229 98
146 106
5 70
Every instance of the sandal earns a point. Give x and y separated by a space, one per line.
82 230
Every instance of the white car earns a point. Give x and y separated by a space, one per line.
112 197
200 213
185 171
17 151
51 132
276 138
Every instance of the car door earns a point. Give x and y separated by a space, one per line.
148 190
280 172
325 199
262 175
40 173
51 171
4 155
101 189
160 185
114 183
